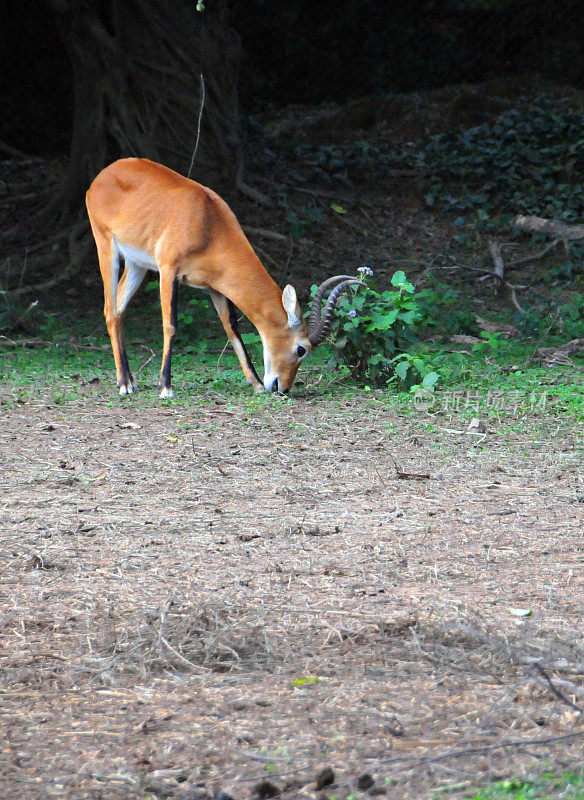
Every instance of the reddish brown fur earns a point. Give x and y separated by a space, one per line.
194 237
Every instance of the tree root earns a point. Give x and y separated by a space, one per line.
253 194
78 247
15 152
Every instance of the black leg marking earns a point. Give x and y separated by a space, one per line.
165 378
127 379
235 328
126 366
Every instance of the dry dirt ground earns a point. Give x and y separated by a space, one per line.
228 600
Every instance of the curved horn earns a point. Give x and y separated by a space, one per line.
323 326
315 308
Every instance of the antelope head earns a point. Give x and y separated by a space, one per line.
286 349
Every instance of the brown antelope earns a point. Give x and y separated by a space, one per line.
155 219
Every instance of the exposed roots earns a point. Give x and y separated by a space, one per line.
37 251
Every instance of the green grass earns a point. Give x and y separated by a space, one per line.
507 383
501 383
549 787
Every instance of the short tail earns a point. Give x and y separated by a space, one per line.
115 275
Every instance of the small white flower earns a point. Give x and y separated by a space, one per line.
365 272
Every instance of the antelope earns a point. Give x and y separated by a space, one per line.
155 219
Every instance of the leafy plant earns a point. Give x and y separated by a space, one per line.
443 309
564 271
409 368
308 680
374 331
193 312
490 345
569 786
300 223
571 316
527 160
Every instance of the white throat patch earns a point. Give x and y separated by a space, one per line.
269 374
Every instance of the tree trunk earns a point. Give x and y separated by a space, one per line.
137 91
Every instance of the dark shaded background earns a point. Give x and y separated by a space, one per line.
305 52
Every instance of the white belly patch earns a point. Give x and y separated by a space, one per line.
138 257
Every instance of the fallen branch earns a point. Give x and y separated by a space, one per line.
267 234
555 683
357 228
535 256
559 356
5 341
253 194
506 331
412 761
495 249
410 476
326 195
560 230
277 237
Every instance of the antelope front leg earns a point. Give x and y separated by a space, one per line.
228 317
169 304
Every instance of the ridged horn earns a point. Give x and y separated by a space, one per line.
315 308
320 325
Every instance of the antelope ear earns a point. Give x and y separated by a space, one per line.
291 306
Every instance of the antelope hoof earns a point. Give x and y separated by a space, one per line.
127 388
166 393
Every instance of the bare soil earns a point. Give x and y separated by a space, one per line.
244 599
232 599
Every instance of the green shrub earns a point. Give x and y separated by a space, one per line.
374 332
528 160
443 309
571 317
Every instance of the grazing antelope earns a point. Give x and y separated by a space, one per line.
155 219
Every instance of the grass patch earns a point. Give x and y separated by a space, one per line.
549 787
72 360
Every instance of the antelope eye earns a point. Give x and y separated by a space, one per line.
300 351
